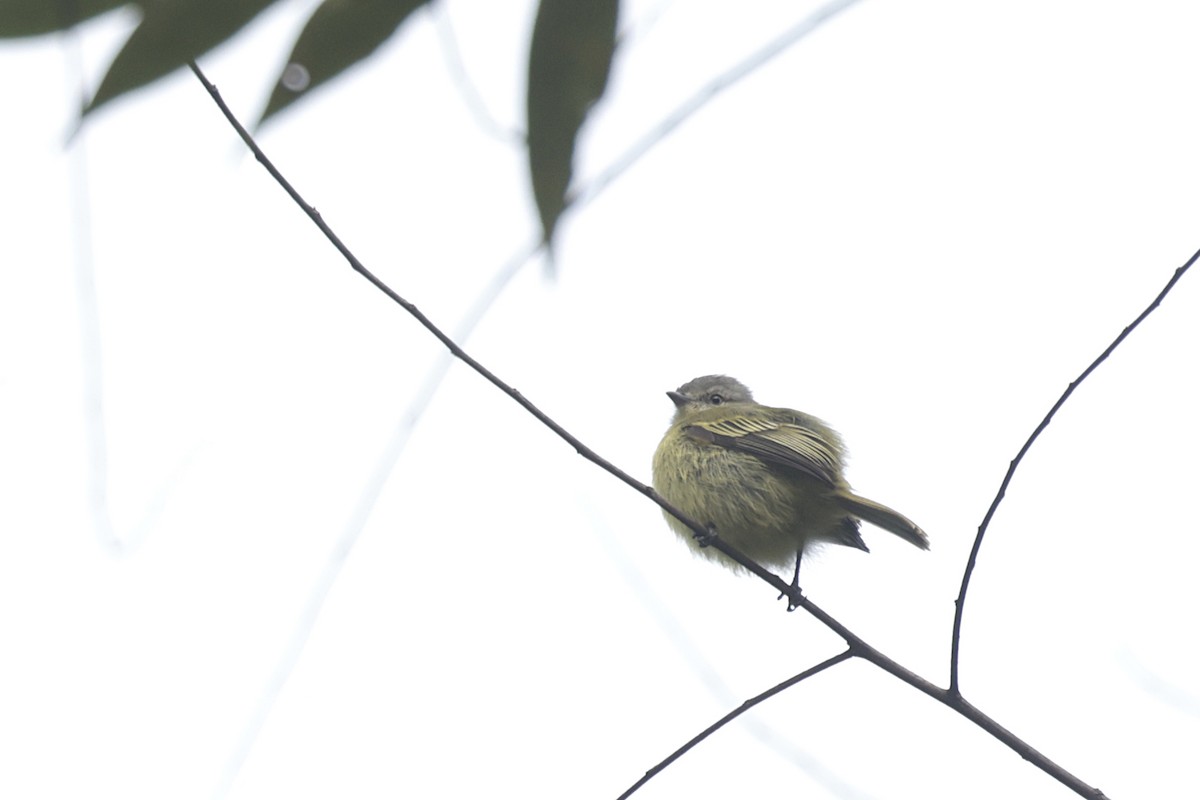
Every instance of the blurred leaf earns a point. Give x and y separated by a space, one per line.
339 34
171 33
569 59
38 17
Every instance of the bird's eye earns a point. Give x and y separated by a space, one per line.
715 399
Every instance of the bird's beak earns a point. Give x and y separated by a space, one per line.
680 400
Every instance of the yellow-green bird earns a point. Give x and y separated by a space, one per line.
767 480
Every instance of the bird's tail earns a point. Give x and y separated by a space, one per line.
883 517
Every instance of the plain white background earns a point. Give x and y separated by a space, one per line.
919 223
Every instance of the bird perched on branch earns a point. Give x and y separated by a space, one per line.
767 480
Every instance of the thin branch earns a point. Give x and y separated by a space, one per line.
858 647
650 600
450 344
357 522
732 715
952 700
452 57
704 96
960 602
91 347
399 439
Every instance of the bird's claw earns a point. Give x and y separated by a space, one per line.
794 594
706 538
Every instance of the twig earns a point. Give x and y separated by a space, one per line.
705 95
95 423
450 344
952 700
452 57
960 602
732 715
340 552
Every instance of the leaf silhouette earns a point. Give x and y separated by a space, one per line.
339 34
171 33
569 60
38 17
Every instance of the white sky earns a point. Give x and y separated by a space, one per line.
920 223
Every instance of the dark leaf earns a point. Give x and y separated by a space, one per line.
171 33
37 17
339 34
569 59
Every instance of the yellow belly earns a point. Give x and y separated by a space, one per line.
768 514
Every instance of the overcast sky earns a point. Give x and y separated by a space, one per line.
920 223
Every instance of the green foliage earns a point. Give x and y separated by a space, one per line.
38 17
172 33
569 60
339 34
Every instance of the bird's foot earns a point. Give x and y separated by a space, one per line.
794 594
705 539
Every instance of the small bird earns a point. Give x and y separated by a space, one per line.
767 480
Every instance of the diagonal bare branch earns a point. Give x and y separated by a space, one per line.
731 716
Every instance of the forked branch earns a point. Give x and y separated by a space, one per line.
857 647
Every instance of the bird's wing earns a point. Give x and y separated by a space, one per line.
781 443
